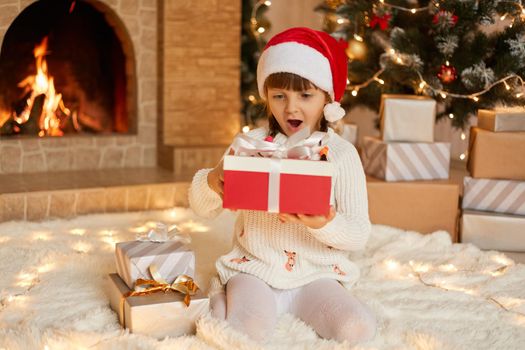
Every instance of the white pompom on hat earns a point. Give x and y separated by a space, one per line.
313 55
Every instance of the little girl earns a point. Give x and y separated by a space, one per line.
292 262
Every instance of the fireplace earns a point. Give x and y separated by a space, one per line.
182 106
84 70
63 70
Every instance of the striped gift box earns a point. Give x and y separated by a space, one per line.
501 196
404 161
171 258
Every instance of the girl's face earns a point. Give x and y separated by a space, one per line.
295 110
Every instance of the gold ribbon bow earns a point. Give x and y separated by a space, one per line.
183 284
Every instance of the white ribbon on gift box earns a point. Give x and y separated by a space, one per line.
300 145
173 234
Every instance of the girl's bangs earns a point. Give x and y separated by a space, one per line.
288 81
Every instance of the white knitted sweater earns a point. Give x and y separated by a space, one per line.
289 255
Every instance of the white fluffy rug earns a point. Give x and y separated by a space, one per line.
426 292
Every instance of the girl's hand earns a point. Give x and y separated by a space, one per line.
216 177
312 221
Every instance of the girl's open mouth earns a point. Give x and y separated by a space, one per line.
294 123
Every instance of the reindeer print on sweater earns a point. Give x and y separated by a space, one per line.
339 271
290 263
240 260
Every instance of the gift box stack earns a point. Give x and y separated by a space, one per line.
407 172
153 291
494 193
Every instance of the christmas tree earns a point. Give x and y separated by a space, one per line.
467 54
254 24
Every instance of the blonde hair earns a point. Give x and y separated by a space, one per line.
293 82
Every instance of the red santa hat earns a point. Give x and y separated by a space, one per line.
313 55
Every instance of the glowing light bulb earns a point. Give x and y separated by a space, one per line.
447 267
392 51
447 63
354 93
391 264
45 268
422 84
380 81
475 98
462 156
503 17
251 98
268 3
245 129
358 37
261 30
443 95
463 136
77 231
340 21
451 116
413 11
347 81
518 95
506 85
399 60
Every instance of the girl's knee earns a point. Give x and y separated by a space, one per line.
357 329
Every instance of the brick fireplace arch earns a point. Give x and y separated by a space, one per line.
85 53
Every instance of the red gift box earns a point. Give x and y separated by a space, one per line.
277 185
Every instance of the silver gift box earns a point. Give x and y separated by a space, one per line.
494 231
171 259
511 119
407 118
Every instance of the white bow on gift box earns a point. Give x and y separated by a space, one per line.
161 233
300 145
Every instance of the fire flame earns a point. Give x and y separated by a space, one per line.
42 84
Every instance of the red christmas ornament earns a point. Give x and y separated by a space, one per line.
381 21
445 19
447 74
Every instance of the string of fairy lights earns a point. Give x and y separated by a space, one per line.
418 270
511 81
397 58
257 31
423 85
83 242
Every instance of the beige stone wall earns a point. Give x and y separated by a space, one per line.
200 82
201 72
27 155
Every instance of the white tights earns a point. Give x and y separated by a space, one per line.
251 306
